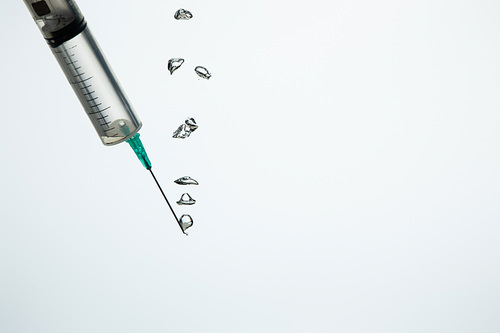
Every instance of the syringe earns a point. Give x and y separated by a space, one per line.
64 28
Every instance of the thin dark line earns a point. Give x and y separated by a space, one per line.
99 111
168 203
84 80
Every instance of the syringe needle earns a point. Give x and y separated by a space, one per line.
136 144
168 203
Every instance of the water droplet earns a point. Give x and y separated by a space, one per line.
185 130
202 72
182 132
191 123
186 199
186 222
186 180
174 64
183 14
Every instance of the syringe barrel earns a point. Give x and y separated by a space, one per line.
86 68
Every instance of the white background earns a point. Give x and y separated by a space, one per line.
347 156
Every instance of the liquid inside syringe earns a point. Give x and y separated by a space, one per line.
97 88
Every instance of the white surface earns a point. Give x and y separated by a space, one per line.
347 156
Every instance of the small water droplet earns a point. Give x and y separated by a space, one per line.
186 180
183 14
186 199
191 123
186 222
185 130
182 132
174 64
202 72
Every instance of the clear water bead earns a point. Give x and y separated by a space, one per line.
174 64
185 222
191 123
186 180
202 72
186 199
185 130
183 14
182 132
